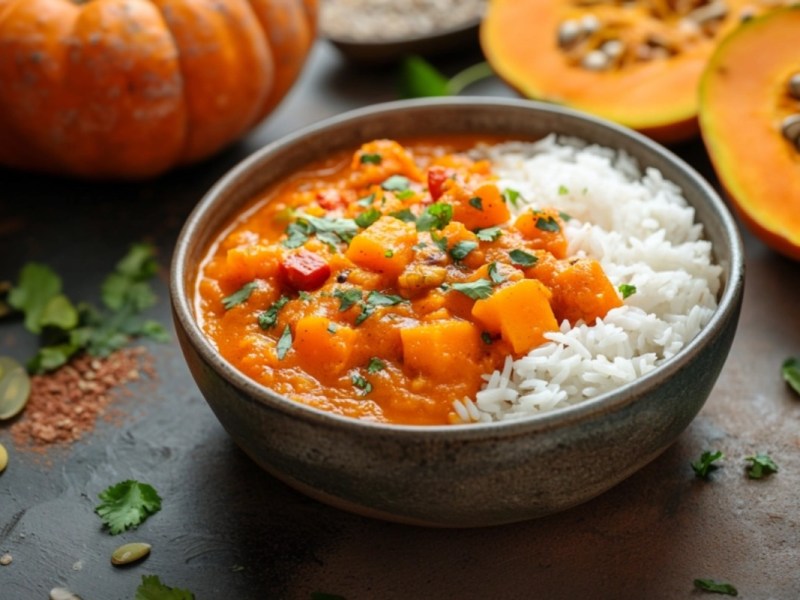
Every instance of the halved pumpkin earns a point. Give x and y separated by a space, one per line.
636 63
749 98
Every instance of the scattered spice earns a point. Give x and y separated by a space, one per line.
64 404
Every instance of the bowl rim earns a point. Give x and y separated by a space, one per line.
607 402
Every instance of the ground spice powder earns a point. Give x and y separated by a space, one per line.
65 404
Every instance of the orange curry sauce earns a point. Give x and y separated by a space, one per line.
382 284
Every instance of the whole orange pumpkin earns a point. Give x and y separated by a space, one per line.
131 88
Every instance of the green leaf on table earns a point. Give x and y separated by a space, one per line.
38 285
418 79
761 465
151 588
703 466
791 373
127 504
709 585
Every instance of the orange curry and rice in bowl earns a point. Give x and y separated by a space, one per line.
386 283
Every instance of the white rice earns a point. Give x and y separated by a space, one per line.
642 231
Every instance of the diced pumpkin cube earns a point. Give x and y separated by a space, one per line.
323 346
386 246
441 348
545 229
581 290
483 207
520 312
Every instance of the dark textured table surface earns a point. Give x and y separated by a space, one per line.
227 530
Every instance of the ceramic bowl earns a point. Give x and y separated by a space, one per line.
457 475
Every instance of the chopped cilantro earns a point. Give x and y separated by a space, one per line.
435 216
151 588
511 196
347 298
269 317
476 202
239 296
361 383
626 290
38 289
522 258
396 183
440 241
761 465
284 343
791 373
366 201
709 585
380 299
127 504
404 215
489 234
703 466
405 194
336 228
548 224
564 216
297 233
495 275
562 190
478 289
486 337
332 327
388 253
372 159
368 217
461 249
375 365
304 296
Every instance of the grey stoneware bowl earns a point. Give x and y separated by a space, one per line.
457 475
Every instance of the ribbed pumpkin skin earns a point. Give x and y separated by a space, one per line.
127 89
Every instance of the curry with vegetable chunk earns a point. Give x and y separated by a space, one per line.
384 283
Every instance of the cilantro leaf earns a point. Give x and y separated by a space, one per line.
462 249
269 317
476 203
478 289
548 223
495 275
626 290
396 183
511 196
791 373
239 296
361 383
368 217
297 234
562 190
709 585
127 285
151 588
435 216
380 299
703 466
522 258
347 298
127 504
404 215
372 159
761 465
489 234
284 343
38 286
375 365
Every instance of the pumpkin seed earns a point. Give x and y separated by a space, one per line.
794 86
569 32
3 458
63 594
596 60
790 128
15 387
708 12
130 553
612 48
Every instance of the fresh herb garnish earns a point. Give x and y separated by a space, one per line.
374 300
127 504
396 183
372 159
626 290
347 298
476 202
68 329
522 258
461 250
709 585
331 230
284 343
239 296
404 215
489 234
366 201
478 289
486 337
703 466
375 365
361 383
418 78
269 317
440 241
151 588
761 465
388 253
435 216
368 217
405 194
332 327
790 369
495 275
548 223
511 196
564 216
297 234
563 190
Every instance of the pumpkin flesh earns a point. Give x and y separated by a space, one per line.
743 100
655 95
